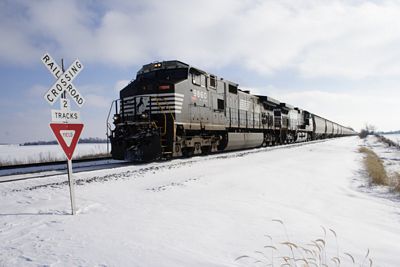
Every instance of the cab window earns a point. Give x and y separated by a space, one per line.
196 79
213 82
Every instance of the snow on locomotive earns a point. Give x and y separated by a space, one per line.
173 109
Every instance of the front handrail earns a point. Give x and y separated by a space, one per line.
108 124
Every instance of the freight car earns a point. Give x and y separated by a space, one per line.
173 109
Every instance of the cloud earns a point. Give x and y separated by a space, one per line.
291 44
345 39
97 101
37 91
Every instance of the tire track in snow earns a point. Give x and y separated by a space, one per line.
172 185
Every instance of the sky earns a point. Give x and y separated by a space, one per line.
339 59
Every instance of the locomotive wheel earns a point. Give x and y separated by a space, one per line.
188 152
264 144
205 150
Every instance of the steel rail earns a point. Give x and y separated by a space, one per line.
40 164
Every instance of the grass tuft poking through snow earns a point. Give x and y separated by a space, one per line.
387 141
396 182
313 253
377 172
374 167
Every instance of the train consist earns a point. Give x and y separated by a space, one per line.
173 109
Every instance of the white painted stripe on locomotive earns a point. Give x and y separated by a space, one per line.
166 111
157 112
156 108
156 95
164 108
154 102
166 99
166 104
127 106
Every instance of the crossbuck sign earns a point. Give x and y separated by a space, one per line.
64 81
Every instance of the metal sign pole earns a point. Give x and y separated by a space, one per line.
65 105
71 187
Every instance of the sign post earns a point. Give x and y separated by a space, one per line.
65 123
71 183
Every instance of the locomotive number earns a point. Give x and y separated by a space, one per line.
200 94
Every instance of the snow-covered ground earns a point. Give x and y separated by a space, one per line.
32 154
203 211
393 137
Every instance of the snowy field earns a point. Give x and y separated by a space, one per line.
32 154
393 137
205 211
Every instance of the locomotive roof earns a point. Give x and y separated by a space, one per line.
173 64
269 100
169 64
286 105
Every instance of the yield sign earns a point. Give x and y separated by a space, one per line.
67 136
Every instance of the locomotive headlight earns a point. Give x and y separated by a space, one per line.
144 116
116 117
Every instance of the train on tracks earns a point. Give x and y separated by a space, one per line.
173 109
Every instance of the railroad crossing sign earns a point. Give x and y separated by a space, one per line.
65 119
65 124
64 80
67 135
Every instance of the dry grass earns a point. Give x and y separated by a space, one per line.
374 167
387 141
322 251
396 182
377 172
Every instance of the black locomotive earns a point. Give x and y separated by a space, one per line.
173 109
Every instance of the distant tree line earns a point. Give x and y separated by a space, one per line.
390 132
90 140
368 129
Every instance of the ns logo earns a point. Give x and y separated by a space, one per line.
141 104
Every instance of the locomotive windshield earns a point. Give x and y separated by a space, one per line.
152 81
164 75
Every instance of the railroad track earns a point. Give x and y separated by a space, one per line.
39 164
60 168
43 170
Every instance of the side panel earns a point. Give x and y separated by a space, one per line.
293 119
319 125
329 128
244 140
